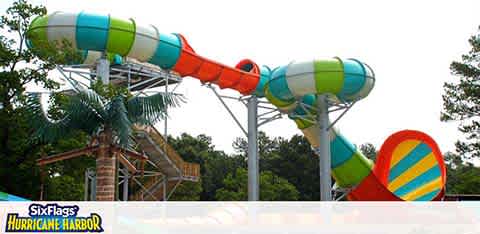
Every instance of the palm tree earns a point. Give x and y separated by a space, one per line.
108 120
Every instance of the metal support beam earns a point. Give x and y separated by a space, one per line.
75 85
228 109
324 149
93 185
125 184
253 106
85 186
253 169
103 69
164 195
144 189
174 188
346 109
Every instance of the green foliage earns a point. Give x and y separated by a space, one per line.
234 187
292 159
64 188
272 187
369 150
214 164
151 109
187 191
288 160
461 100
90 112
462 177
109 91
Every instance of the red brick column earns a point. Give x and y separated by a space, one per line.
105 175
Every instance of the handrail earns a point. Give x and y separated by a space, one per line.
188 169
191 169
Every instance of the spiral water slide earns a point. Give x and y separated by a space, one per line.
409 165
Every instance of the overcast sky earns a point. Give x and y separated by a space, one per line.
409 45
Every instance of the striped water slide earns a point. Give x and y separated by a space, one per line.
292 88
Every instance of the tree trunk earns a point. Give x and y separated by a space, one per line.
105 169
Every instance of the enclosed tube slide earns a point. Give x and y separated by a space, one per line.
409 167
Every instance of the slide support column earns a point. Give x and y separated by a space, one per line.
253 168
103 69
323 151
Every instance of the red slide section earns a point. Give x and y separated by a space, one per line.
206 70
374 186
371 189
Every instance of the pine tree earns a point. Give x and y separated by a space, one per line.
461 100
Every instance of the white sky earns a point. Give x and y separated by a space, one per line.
409 45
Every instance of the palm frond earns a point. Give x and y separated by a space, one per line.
45 129
118 120
151 109
86 111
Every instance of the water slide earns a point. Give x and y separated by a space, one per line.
409 165
10 197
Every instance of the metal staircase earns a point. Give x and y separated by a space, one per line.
173 168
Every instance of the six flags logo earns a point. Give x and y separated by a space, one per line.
53 218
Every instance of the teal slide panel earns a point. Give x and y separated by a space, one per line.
167 52
265 73
408 161
278 85
426 177
92 31
429 196
354 77
341 149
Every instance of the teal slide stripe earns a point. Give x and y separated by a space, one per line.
413 157
278 85
15 198
429 196
264 78
92 31
354 77
420 180
341 149
167 52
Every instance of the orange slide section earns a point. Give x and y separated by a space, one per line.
206 70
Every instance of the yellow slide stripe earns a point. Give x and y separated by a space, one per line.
419 168
426 188
402 150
